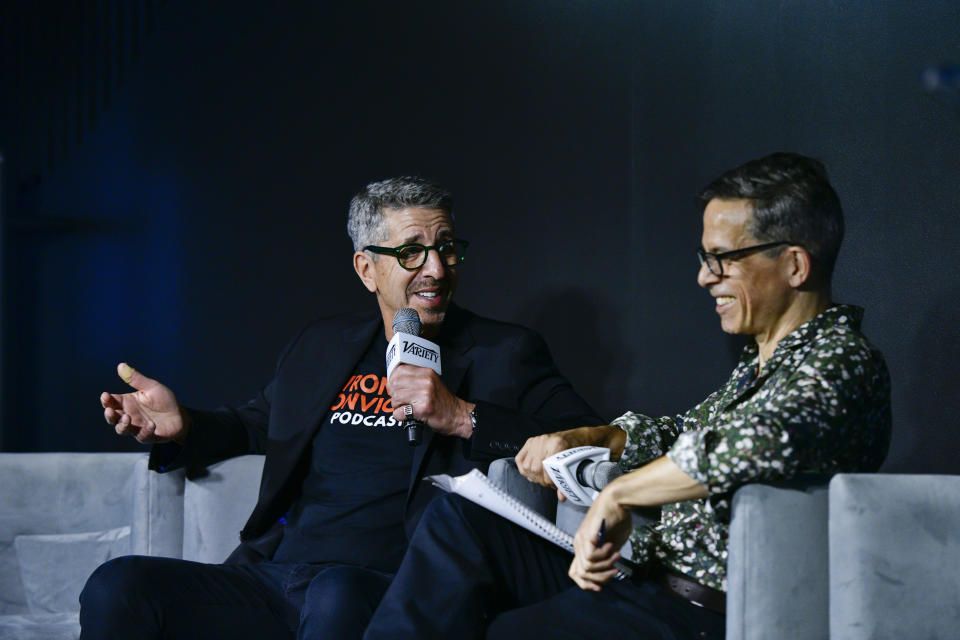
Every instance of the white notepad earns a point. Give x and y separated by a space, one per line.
476 487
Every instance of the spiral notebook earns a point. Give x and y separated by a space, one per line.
476 487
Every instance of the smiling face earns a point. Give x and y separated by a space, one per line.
754 294
428 289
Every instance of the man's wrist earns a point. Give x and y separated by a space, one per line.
617 494
616 497
468 420
186 424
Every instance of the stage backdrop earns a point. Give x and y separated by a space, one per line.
189 216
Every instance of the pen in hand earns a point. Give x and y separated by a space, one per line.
624 570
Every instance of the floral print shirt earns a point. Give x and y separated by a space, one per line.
821 404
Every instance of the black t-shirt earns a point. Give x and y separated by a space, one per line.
350 509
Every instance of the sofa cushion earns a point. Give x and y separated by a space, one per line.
54 567
43 626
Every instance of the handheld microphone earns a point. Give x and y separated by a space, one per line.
407 347
581 472
597 474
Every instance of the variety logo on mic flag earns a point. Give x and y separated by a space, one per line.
409 349
562 469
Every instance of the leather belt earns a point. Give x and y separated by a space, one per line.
699 594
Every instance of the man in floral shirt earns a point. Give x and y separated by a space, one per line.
810 394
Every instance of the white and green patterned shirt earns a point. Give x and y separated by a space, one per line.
820 405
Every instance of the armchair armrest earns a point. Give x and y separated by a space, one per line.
504 474
543 500
777 564
216 505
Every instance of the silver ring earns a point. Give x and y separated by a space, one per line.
407 410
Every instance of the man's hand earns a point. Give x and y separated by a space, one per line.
149 414
538 448
592 565
659 482
432 402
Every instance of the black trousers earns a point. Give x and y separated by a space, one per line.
469 573
136 597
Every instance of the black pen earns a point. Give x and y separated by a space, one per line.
601 534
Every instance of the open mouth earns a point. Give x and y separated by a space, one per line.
428 297
724 301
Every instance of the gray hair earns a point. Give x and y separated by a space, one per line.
365 222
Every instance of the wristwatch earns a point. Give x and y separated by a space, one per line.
473 418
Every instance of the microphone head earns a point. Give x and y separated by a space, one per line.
604 473
407 320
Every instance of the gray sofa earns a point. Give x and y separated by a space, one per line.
867 556
62 514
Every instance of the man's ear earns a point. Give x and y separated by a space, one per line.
798 265
364 266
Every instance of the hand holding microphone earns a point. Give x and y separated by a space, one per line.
406 347
418 394
580 473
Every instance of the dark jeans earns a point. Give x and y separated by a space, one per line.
151 598
469 573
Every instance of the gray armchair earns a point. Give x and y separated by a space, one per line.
873 556
894 556
777 564
216 506
61 515
867 556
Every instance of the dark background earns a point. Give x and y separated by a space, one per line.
177 177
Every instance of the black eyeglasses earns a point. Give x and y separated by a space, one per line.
412 256
714 261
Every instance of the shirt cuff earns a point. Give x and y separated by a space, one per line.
625 432
686 452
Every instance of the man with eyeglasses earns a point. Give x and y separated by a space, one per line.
810 394
341 489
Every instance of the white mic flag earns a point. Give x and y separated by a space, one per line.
409 349
565 469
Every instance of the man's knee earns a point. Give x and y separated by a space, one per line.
112 603
337 591
114 580
340 602
451 511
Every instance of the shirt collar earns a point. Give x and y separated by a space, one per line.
837 315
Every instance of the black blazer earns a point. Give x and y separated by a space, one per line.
505 369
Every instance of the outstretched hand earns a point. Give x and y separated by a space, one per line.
150 413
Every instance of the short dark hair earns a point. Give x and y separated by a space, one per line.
793 201
365 219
